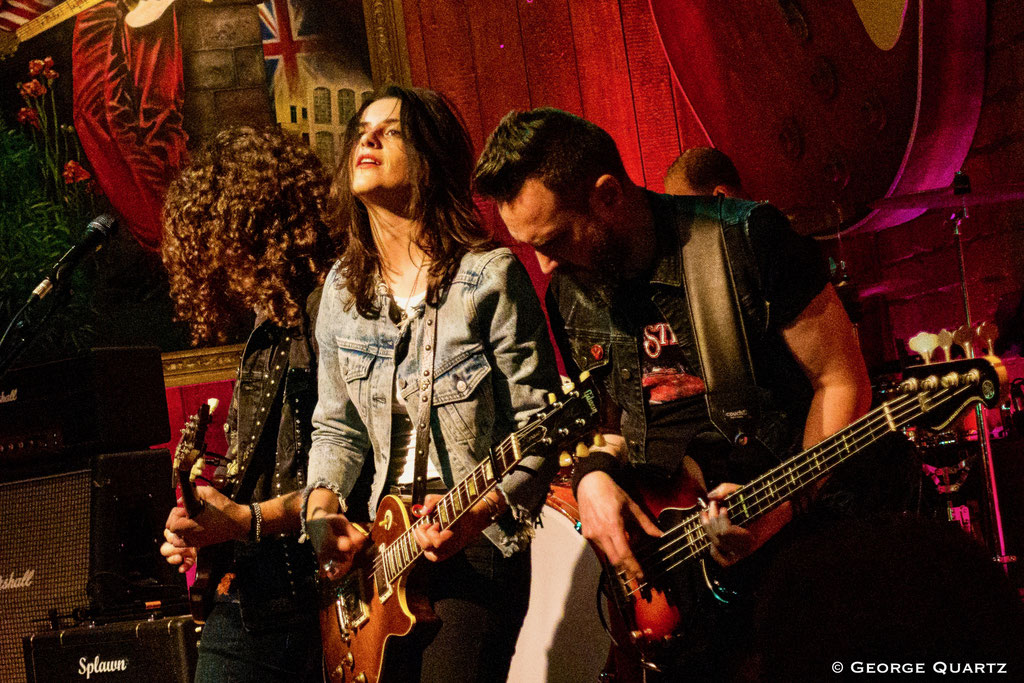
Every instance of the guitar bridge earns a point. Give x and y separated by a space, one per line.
350 602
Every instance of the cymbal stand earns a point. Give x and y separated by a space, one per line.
997 538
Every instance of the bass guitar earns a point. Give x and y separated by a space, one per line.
648 616
371 613
190 460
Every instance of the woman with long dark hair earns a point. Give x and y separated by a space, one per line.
419 265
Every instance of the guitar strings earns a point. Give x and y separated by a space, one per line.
870 425
873 424
701 543
395 562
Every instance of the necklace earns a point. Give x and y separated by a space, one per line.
395 307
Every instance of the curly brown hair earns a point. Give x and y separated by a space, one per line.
442 200
244 230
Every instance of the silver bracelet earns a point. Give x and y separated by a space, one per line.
256 526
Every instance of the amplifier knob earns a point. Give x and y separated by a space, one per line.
350 661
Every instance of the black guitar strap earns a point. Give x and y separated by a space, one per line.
721 340
426 380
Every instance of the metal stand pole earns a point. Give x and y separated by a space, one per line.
994 517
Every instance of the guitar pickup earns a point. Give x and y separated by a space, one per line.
350 603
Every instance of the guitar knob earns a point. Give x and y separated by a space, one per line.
360 678
350 661
564 459
339 673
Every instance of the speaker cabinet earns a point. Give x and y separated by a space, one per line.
83 545
157 651
44 546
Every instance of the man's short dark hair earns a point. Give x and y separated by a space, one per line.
566 153
704 169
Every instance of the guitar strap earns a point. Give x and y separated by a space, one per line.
426 380
721 340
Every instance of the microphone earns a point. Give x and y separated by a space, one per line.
96 235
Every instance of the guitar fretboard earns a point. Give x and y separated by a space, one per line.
51 18
688 539
397 557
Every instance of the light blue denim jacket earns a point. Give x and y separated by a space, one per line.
494 366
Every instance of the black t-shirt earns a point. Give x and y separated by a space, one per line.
673 392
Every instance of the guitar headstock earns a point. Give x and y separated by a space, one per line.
187 455
8 44
569 418
945 389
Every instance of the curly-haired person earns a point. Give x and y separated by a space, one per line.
244 232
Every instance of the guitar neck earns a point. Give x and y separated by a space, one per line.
401 554
51 18
798 473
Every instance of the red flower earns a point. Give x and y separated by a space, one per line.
35 67
29 116
50 74
73 173
32 89
48 62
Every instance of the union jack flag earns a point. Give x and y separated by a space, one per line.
14 13
287 37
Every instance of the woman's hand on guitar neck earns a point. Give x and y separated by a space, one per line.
221 520
605 510
438 544
176 552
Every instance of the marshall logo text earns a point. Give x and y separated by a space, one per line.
12 581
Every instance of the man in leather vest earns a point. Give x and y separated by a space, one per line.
619 308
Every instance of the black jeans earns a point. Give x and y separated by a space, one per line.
481 597
230 653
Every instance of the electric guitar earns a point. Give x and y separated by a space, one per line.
190 458
142 13
371 613
648 616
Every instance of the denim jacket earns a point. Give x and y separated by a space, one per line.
776 273
493 368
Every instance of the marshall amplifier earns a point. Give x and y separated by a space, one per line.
148 651
83 546
107 400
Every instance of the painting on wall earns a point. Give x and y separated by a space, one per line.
100 103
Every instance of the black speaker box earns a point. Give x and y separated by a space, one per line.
157 651
82 545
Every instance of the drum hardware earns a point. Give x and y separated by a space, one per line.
952 197
958 196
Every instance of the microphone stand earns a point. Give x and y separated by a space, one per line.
26 324
962 186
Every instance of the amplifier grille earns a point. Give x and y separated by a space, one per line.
44 558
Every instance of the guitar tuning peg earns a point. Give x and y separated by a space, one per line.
568 386
925 344
946 343
988 333
964 338
584 376
213 403
552 398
